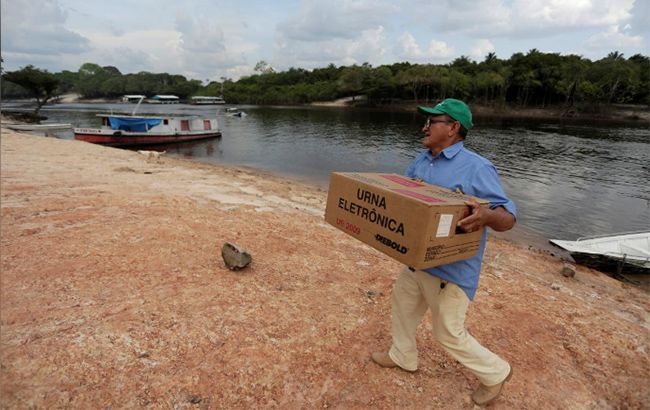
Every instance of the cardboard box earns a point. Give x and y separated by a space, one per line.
412 222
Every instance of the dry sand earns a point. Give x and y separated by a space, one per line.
114 295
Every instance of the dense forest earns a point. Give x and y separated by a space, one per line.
535 79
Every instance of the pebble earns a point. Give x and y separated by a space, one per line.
568 270
371 294
235 257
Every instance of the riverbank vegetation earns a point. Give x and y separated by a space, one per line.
534 79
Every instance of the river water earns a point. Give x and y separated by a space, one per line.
568 181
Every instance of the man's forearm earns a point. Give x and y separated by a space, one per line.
500 220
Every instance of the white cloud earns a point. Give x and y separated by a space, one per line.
408 49
338 32
368 46
38 27
334 19
204 50
613 39
529 18
196 48
239 71
481 48
564 13
447 16
149 50
205 39
640 21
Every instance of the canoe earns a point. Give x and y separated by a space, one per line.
38 127
624 252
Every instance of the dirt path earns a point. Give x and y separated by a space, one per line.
113 294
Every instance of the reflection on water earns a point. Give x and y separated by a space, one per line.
568 181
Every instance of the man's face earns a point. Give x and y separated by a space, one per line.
438 132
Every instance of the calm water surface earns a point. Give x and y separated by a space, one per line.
568 181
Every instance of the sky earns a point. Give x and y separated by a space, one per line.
209 40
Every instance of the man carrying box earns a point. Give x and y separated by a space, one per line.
448 289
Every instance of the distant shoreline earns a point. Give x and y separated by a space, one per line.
627 114
616 114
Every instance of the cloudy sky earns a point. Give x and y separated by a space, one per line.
210 39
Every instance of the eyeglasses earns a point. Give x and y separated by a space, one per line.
431 121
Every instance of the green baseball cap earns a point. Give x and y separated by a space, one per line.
454 108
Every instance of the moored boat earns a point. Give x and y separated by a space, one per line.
163 99
39 127
626 252
206 100
125 130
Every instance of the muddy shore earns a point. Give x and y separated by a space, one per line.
113 293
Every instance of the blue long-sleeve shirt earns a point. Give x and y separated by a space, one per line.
457 167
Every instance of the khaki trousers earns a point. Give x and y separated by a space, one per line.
414 292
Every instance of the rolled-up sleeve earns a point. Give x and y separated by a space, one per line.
486 185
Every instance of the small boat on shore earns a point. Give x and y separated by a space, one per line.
130 130
234 112
625 252
39 127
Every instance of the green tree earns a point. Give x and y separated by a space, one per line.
641 64
39 83
413 78
572 73
351 80
90 79
378 84
263 67
616 78
67 81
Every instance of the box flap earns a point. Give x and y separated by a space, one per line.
420 191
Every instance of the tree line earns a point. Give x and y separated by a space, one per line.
534 79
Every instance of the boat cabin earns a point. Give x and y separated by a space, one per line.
132 98
163 99
157 124
205 100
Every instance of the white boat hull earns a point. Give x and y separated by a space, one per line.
38 127
629 252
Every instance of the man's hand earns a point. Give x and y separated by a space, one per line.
476 218
498 219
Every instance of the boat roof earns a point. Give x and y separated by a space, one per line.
166 97
147 116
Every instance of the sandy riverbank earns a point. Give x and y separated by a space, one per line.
113 294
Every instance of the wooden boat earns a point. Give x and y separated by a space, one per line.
625 252
133 130
39 127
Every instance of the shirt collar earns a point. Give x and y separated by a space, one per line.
450 151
